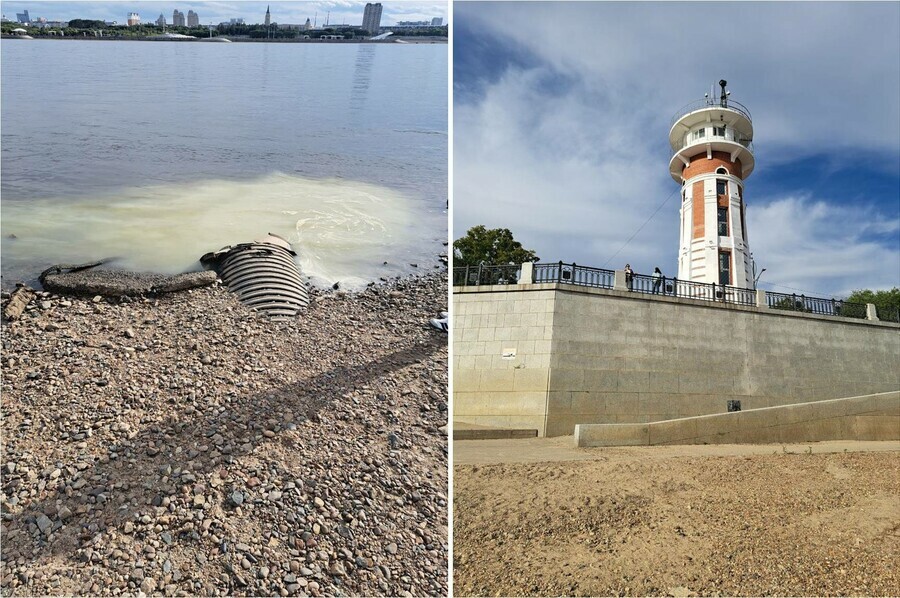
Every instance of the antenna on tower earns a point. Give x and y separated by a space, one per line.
316 19
724 97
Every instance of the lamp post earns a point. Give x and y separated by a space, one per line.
756 280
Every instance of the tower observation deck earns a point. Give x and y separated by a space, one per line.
712 155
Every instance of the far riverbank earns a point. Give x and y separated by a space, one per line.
237 39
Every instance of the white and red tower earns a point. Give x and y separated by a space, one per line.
713 155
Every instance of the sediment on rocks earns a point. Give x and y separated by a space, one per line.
185 445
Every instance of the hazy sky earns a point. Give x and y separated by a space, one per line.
562 113
342 11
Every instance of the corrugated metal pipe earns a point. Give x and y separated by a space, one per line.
263 275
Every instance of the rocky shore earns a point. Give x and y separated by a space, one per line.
183 445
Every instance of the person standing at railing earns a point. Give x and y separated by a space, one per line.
657 280
629 276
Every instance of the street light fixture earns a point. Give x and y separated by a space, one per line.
757 277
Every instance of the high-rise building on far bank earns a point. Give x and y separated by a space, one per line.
713 155
372 18
161 21
437 21
177 18
134 19
23 17
193 19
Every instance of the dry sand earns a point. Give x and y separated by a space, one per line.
540 517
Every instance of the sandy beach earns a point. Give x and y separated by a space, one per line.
819 519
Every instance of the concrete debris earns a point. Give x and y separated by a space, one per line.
17 303
94 282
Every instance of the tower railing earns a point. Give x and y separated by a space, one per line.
683 143
710 103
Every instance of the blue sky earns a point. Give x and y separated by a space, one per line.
342 11
562 113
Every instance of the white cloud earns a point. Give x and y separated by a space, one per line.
811 73
822 249
569 179
575 169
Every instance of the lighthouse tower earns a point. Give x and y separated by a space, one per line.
712 156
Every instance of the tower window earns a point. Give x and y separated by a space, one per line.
743 223
721 171
723 222
699 133
724 267
721 187
719 131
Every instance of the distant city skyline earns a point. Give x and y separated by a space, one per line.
216 12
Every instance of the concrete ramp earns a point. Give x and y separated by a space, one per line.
867 417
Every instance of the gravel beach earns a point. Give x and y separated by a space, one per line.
183 445
725 520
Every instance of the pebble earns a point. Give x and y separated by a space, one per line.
165 482
44 523
148 586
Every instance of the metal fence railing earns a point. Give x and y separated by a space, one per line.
816 305
470 276
672 287
888 314
584 276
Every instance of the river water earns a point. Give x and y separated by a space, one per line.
157 152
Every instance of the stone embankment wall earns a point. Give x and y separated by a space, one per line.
549 356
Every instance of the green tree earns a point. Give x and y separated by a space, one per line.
86 24
887 303
490 246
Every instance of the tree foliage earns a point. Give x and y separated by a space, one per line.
87 24
887 303
490 246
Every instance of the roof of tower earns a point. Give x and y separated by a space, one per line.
722 114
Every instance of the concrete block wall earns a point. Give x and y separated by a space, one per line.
501 355
608 356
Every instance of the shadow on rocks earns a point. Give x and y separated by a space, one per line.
289 473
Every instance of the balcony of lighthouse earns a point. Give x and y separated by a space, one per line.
711 126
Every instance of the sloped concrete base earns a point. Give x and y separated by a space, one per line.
868 417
